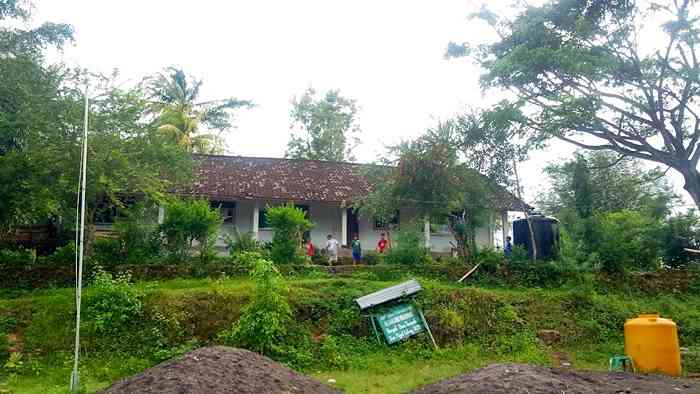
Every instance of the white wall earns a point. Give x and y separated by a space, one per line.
328 218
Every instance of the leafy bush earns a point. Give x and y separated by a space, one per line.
17 258
242 242
627 240
679 232
106 251
64 255
138 233
290 224
264 321
372 258
408 247
111 304
187 221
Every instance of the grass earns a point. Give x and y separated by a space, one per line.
497 325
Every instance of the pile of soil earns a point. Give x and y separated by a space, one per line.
523 378
219 369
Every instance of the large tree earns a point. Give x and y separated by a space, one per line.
603 182
589 72
41 124
428 175
180 114
324 128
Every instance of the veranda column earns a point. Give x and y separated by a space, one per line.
426 232
344 226
161 214
505 226
256 220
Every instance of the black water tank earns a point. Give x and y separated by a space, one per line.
546 231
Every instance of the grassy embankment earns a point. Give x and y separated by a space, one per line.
329 337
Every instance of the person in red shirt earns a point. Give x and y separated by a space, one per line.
309 248
382 244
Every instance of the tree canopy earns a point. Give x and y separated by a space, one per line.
41 123
583 72
196 125
324 128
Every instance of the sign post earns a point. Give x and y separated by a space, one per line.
397 316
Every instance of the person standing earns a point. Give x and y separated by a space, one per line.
309 249
356 250
332 246
508 247
382 244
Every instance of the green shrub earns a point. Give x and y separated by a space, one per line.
242 242
264 321
290 223
106 251
187 221
627 240
679 232
138 234
490 261
64 255
112 304
408 247
372 258
17 258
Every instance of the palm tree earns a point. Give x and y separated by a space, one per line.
178 114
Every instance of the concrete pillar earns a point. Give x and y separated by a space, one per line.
161 214
505 226
256 220
426 232
344 226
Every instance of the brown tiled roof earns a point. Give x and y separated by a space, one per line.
250 178
258 178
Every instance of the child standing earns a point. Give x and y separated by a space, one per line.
356 250
382 244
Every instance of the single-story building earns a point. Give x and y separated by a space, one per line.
243 187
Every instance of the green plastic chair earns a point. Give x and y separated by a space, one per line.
622 364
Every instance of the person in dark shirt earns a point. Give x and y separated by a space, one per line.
508 248
356 250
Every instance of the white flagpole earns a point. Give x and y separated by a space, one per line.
74 381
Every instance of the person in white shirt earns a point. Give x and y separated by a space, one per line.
332 246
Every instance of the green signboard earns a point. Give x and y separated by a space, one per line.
400 322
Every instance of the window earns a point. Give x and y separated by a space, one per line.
382 225
227 210
262 219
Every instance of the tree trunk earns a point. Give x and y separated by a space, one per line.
692 184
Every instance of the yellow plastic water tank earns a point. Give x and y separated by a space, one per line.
652 342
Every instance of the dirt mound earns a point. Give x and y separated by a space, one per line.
219 369
522 378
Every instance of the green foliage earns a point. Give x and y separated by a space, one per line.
242 243
627 240
64 255
17 257
264 321
679 232
290 223
578 72
408 247
106 251
179 113
325 128
187 221
139 234
112 304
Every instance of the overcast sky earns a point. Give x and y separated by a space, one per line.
388 55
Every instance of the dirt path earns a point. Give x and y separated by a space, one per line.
219 369
531 379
